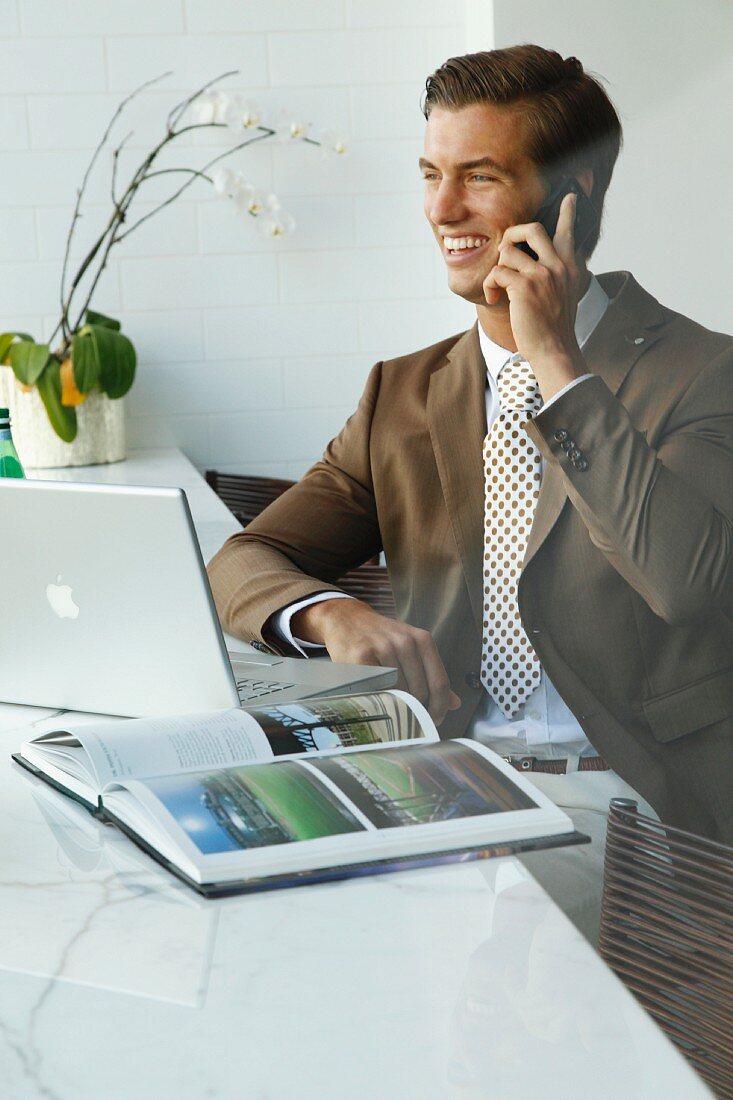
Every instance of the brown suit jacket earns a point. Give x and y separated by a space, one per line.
626 591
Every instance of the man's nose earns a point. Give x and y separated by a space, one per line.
447 204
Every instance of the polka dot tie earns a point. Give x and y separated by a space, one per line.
510 669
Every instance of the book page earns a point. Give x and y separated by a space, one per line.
137 747
335 808
338 723
146 747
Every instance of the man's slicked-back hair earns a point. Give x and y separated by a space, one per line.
570 122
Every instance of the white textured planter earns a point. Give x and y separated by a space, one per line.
100 438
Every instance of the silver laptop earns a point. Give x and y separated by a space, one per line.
105 606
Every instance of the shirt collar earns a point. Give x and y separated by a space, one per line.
591 308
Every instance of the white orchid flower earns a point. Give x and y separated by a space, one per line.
230 183
334 143
289 129
210 107
276 222
241 115
253 202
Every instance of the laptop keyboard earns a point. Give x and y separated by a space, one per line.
256 689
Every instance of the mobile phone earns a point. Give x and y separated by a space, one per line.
586 217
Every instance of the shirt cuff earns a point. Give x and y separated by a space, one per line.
280 623
565 390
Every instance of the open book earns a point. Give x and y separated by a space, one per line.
278 795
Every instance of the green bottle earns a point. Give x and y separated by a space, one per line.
9 462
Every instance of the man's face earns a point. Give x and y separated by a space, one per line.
478 181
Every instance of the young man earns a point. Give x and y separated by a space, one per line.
553 489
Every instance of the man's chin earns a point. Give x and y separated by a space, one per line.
471 290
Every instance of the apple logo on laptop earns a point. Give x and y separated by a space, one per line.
59 596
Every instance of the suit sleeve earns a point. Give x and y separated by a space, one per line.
307 538
664 517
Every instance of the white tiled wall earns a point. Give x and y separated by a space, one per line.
251 354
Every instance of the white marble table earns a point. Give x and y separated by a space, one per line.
454 982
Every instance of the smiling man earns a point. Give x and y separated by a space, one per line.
552 489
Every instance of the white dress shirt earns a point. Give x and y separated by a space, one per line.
544 721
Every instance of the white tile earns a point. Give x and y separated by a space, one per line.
262 15
193 59
371 167
386 111
30 65
356 275
279 331
198 281
13 123
255 469
34 288
170 232
18 234
318 381
48 18
403 13
30 323
9 17
444 43
191 388
347 57
392 219
79 121
164 336
190 433
395 328
47 179
285 436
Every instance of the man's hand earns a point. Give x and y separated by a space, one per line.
355 634
543 297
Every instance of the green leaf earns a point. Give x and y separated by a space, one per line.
84 360
92 318
117 360
7 338
28 360
63 419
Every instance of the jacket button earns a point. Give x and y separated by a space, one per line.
568 444
473 680
561 434
574 455
582 464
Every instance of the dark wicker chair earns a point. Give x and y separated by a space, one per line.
246 496
667 932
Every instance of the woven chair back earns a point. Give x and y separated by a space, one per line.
667 932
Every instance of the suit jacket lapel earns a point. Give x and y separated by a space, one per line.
624 332
456 414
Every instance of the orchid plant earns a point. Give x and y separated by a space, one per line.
90 352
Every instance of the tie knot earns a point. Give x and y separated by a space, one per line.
518 387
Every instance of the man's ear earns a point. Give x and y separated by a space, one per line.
585 179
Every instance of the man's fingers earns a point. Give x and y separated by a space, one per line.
535 235
564 239
512 257
408 659
438 684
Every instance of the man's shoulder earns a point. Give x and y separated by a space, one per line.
425 359
412 372
677 332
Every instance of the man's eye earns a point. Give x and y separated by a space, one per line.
430 175
483 178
